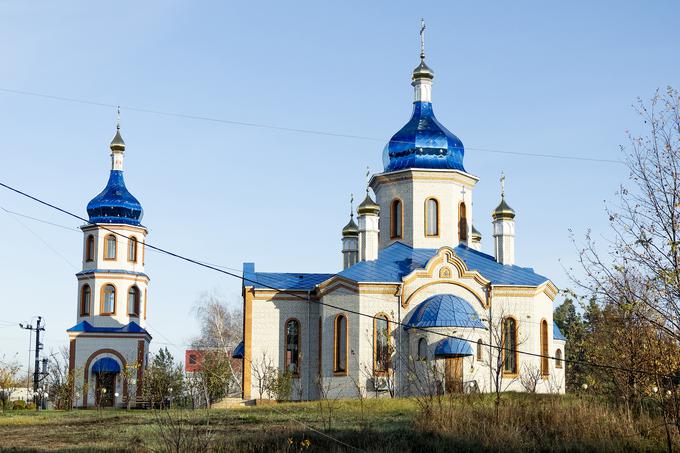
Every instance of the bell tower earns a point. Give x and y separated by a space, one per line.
109 343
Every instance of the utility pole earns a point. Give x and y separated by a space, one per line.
38 347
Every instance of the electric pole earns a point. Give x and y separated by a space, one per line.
38 347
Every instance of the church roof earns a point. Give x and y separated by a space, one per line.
452 347
394 263
115 204
398 260
444 310
557 333
85 326
423 143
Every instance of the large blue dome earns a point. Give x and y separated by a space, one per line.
115 204
423 143
444 310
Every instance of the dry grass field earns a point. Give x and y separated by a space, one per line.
525 423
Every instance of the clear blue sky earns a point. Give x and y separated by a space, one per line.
516 76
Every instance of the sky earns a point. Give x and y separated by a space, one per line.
518 77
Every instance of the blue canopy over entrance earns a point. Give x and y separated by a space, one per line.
453 347
106 365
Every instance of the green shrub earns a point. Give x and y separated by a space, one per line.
19 405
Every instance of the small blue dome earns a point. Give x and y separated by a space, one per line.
444 310
423 143
115 204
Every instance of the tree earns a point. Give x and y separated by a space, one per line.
9 370
221 329
572 326
163 379
212 378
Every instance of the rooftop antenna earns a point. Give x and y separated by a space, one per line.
422 39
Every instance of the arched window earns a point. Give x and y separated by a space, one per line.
509 346
85 300
132 249
422 349
110 247
381 344
396 219
545 371
431 217
89 248
480 350
133 301
108 303
340 349
292 353
558 358
462 223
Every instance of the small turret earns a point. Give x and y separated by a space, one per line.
504 229
476 239
350 240
369 215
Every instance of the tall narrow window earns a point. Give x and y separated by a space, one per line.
509 346
381 344
292 356
422 349
110 247
85 300
89 248
133 301
480 350
396 219
108 304
132 249
558 358
340 349
462 223
545 371
431 217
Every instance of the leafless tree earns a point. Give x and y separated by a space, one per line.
530 377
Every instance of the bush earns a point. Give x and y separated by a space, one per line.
19 405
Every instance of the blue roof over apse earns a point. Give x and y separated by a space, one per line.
423 143
444 310
106 365
85 326
557 333
281 280
238 352
115 204
398 260
452 347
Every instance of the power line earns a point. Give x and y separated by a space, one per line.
287 129
326 304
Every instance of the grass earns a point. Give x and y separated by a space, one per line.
526 423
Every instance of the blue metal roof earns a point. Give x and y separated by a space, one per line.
238 352
557 333
106 365
452 347
115 204
398 260
85 326
423 143
281 280
444 310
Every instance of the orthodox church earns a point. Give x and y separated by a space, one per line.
417 306
109 344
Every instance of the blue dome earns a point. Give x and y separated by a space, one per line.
115 204
444 310
423 143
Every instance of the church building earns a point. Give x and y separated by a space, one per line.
417 306
109 344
